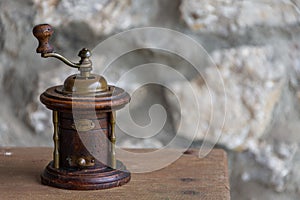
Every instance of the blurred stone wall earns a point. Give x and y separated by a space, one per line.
254 44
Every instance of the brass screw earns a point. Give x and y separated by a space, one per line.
81 162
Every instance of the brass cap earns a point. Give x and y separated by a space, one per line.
83 83
77 84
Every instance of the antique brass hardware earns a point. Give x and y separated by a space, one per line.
84 117
83 125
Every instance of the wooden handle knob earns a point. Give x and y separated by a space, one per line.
43 33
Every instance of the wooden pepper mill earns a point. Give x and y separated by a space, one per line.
84 119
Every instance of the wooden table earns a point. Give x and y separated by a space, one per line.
187 178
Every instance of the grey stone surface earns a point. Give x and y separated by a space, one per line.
271 163
228 16
255 45
241 90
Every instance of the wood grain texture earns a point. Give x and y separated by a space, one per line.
187 178
43 32
114 99
81 149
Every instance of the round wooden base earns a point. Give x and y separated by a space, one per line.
85 179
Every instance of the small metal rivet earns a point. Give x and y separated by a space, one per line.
81 162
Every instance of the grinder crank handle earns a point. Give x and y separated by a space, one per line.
43 33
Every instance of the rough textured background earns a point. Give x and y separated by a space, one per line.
254 44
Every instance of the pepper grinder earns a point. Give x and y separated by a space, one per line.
84 113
